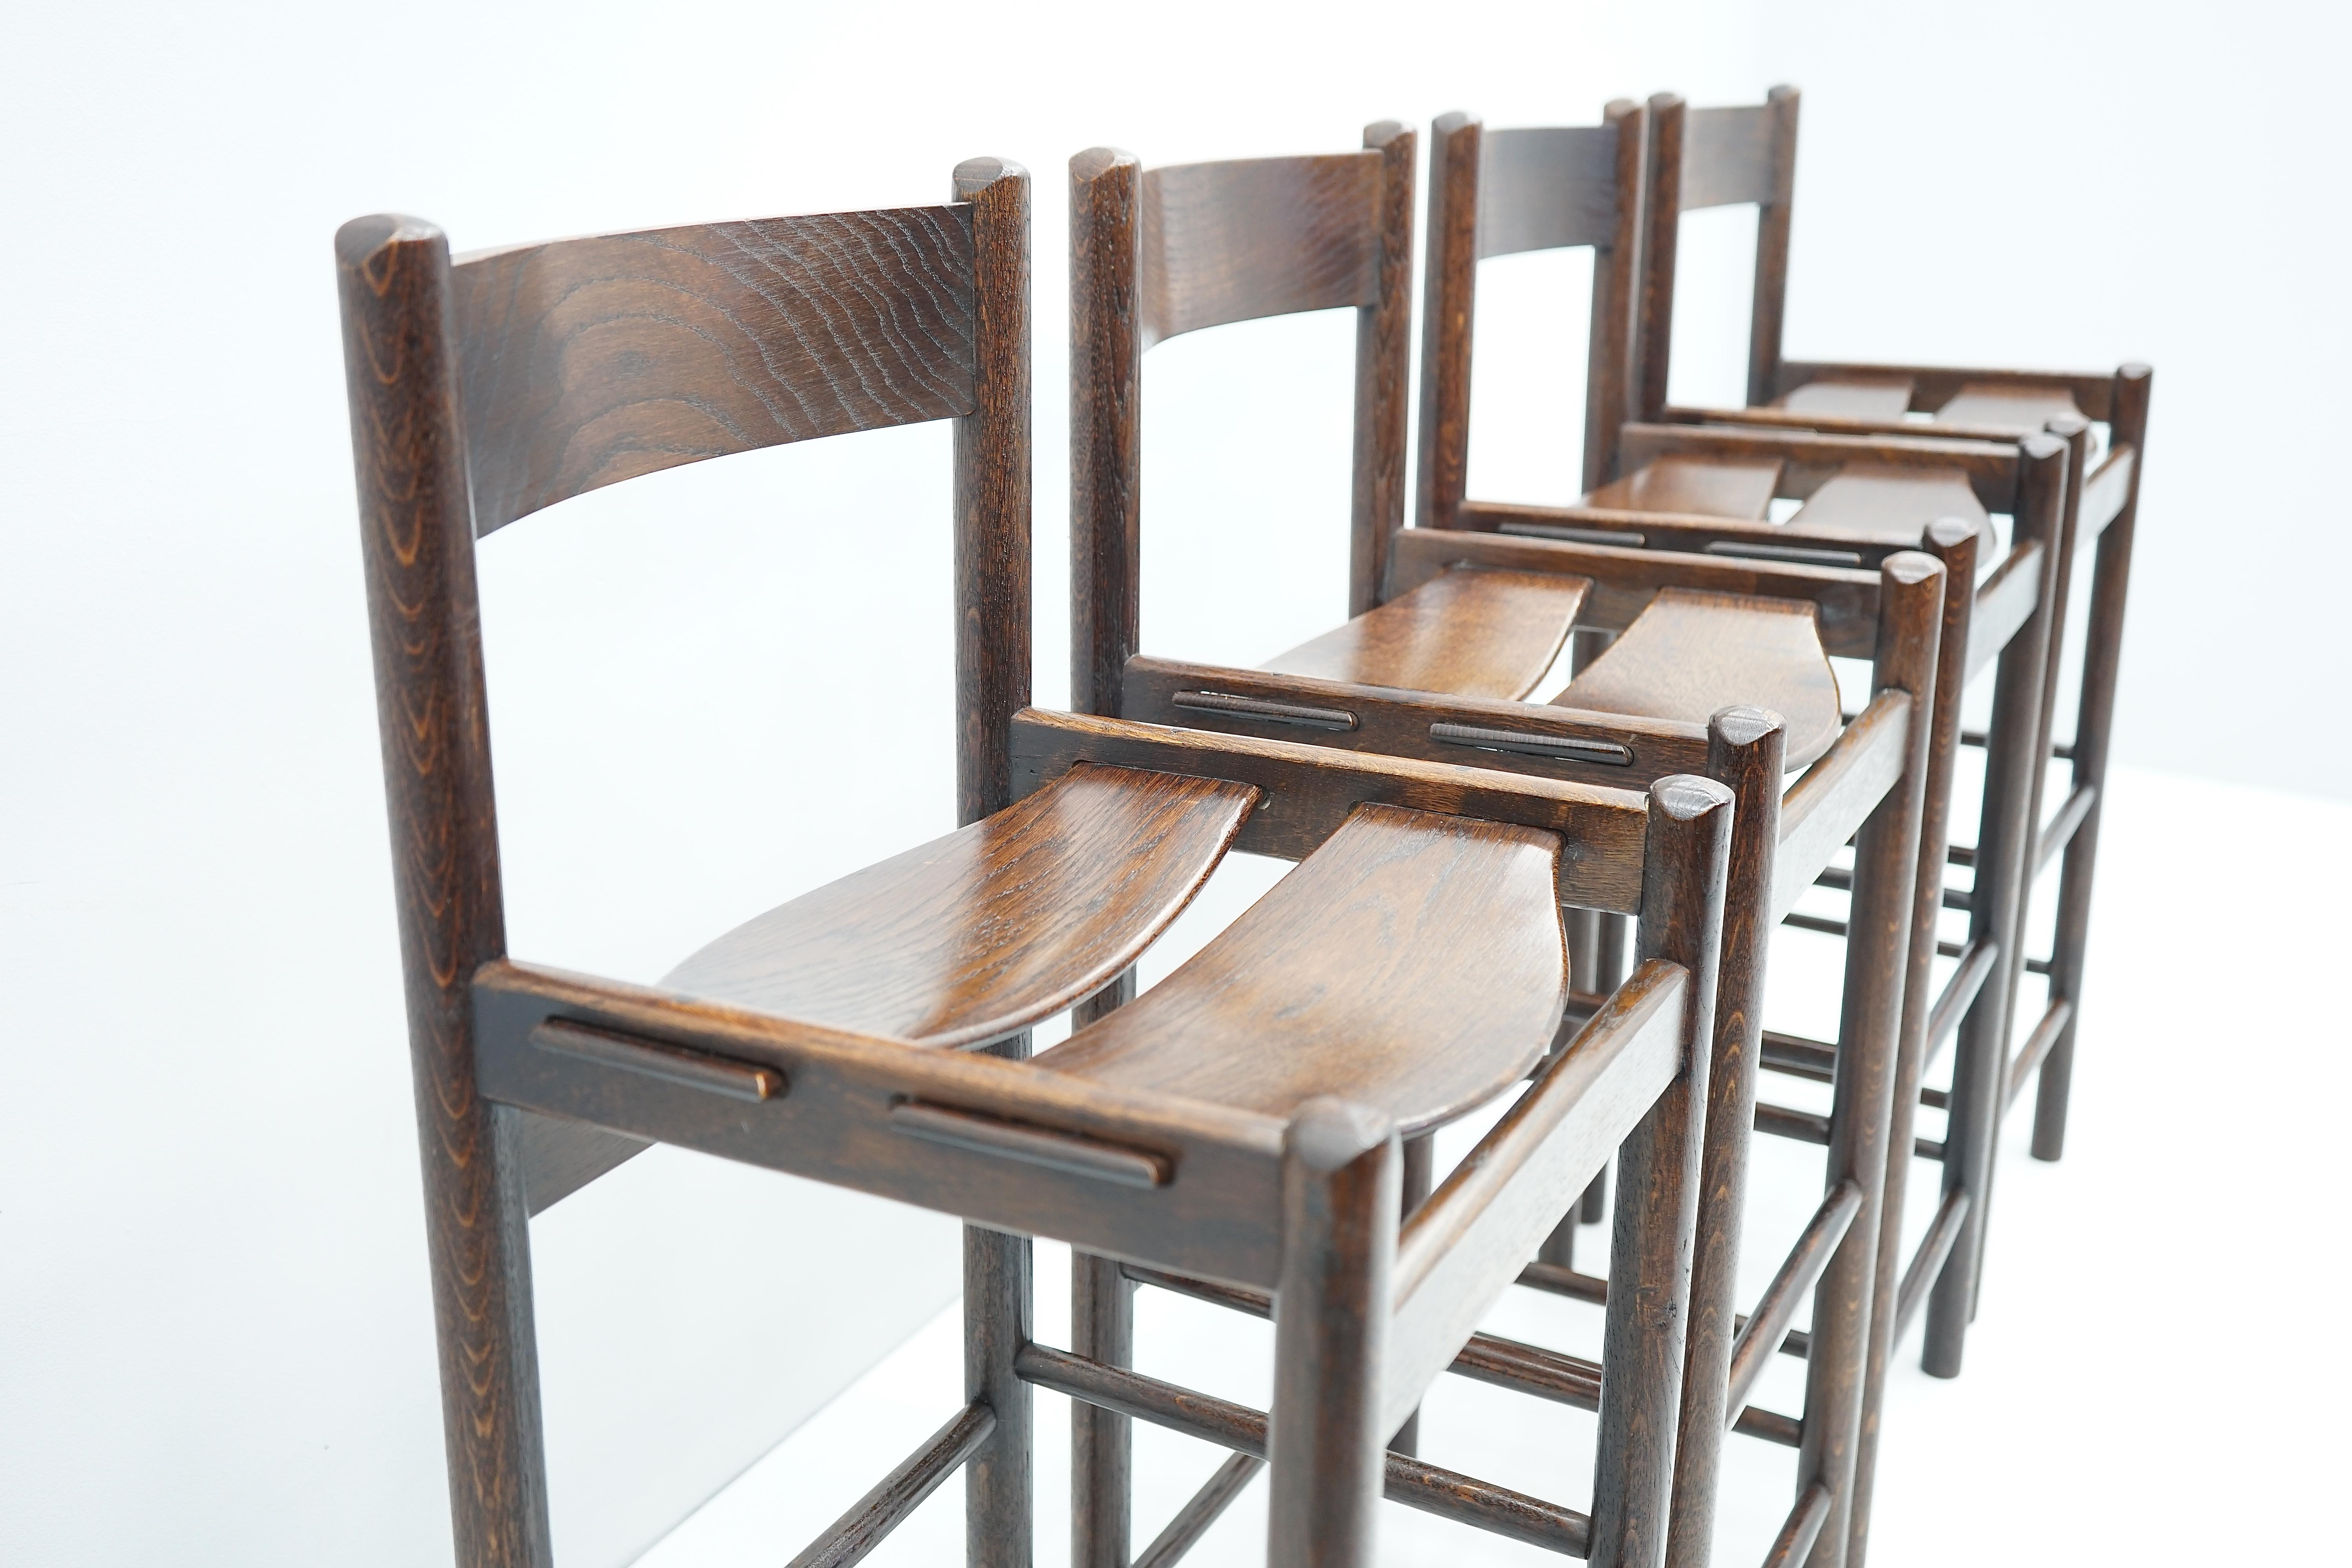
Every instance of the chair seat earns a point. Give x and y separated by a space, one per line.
1465 632
1702 487
1689 655
1890 506
1414 963
1996 405
1885 398
980 934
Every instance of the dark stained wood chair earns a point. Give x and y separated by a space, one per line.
1238 1123
1865 493
1747 154
1452 629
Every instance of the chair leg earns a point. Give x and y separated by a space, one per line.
1102 1327
999 1482
1745 752
2014 757
1643 1335
1342 1178
1955 544
2102 652
1420 1172
477 1227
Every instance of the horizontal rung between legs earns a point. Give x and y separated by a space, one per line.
1811 1126
881 1510
1928 1261
2037 1046
1446 1493
2065 825
1193 1520
1795 1542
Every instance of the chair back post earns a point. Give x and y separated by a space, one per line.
1449 300
1771 299
1661 217
1745 749
408 441
1383 366
1687 862
1878 945
1106 424
992 491
1609 378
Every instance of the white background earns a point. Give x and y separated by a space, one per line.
214 1335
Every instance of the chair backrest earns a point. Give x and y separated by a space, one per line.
488 388
1158 252
1717 158
1497 193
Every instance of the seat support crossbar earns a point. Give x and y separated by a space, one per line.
1446 1493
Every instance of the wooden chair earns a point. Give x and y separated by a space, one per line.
1864 494
870 1034
1747 154
1462 625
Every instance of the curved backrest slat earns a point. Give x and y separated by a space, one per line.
1729 157
586 362
1541 188
1261 237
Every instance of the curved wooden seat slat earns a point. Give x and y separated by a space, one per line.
1998 405
1689 655
1465 632
1414 963
1885 505
1885 398
977 935
1695 486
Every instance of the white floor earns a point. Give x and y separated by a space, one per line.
2152 1377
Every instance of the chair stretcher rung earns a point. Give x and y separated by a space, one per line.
881 1510
1448 1494
1804 1527
2037 1046
1193 1520
1928 1261
1813 1127
2062 827
1837 928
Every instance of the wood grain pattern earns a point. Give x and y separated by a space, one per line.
1767 309
1548 187
835 1122
1690 654
1447 933
1247 237
1644 1339
1615 751
1693 485
1469 632
1745 749
978 935
1993 468
1449 299
1728 157
586 362
400 364
1821 813
1457 1254
1375 504
1890 506
1106 424
992 487
1883 399
1934 385
1311 791
2017 409
1845 602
